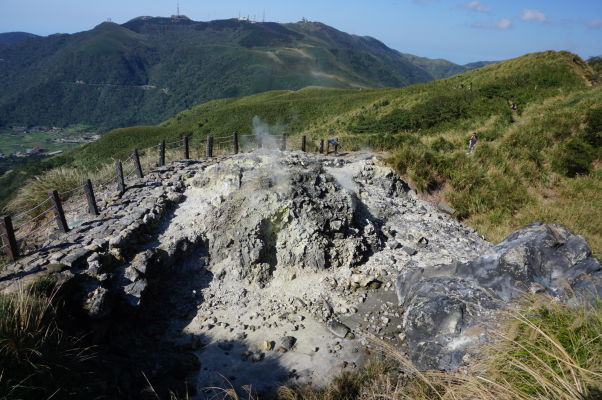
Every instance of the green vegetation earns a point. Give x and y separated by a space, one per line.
537 117
61 179
14 37
596 64
148 69
539 123
36 359
553 352
11 141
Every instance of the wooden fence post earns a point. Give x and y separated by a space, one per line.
8 237
92 208
59 214
162 153
186 148
137 164
209 146
321 146
119 174
303 140
327 146
336 146
235 144
283 144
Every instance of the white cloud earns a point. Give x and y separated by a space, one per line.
595 23
533 15
475 6
503 24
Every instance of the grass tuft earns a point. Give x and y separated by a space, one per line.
36 359
36 189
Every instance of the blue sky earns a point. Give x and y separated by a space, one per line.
460 31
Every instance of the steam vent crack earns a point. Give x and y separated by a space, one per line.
271 268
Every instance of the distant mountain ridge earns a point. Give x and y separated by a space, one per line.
150 68
15 37
441 68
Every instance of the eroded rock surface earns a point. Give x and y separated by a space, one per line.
445 304
273 267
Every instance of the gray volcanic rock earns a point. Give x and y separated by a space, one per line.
290 216
444 302
322 252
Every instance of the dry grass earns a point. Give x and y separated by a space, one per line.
575 203
36 190
551 352
36 359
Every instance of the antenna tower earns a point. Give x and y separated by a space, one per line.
178 13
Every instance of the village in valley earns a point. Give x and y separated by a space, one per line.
42 141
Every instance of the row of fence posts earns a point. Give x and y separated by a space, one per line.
6 225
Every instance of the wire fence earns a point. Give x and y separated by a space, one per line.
73 201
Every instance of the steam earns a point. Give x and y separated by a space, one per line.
344 177
270 136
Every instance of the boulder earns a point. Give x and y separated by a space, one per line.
442 303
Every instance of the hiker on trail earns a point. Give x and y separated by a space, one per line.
472 143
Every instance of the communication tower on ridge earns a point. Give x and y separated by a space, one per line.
178 17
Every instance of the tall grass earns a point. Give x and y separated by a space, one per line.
36 359
36 189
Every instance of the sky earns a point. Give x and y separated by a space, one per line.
460 31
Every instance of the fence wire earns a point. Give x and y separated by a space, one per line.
22 214
175 141
32 231
103 181
33 219
80 187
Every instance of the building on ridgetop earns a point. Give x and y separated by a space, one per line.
33 150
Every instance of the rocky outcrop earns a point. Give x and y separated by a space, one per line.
275 266
444 304
295 216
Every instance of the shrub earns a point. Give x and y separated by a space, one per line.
574 157
489 135
441 144
593 131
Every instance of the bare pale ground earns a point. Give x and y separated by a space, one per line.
237 328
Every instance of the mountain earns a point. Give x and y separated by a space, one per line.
538 119
148 69
440 68
14 37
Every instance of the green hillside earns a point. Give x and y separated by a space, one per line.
148 69
538 118
596 63
440 68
